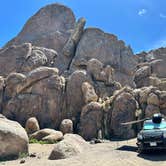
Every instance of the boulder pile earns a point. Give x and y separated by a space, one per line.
77 80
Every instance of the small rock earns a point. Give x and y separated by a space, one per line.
66 126
32 125
50 135
32 155
70 146
22 161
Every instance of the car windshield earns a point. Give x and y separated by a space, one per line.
150 125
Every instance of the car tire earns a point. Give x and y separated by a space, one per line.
140 148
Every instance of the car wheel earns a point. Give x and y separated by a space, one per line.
140 148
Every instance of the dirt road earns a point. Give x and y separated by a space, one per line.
115 153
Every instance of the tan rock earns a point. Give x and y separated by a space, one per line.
124 109
32 125
91 120
53 138
66 126
70 46
89 92
13 139
154 81
47 134
144 93
153 99
106 48
38 94
162 86
70 146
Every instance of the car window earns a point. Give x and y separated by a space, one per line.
151 125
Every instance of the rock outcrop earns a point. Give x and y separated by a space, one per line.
54 70
151 69
38 94
107 49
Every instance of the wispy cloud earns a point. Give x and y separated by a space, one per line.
142 12
162 15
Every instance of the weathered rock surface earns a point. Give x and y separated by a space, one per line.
124 107
48 28
39 95
153 63
55 70
89 92
91 120
70 46
50 135
13 139
70 146
74 95
66 126
24 58
32 125
107 49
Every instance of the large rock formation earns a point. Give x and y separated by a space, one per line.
38 94
108 50
55 70
24 58
47 28
151 69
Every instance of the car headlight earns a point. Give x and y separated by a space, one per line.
139 136
164 134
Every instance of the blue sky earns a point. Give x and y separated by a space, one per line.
140 23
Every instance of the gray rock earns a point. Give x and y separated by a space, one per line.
70 146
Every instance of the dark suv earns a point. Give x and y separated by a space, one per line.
153 134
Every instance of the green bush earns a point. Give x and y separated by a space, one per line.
35 141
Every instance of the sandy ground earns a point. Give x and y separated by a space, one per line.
113 153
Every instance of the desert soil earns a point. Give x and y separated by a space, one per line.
114 153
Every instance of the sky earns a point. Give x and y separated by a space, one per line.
140 23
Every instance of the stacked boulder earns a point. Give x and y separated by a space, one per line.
74 79
151 69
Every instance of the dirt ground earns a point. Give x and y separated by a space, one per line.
114 153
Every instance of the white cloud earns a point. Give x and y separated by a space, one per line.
142 12
162 15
